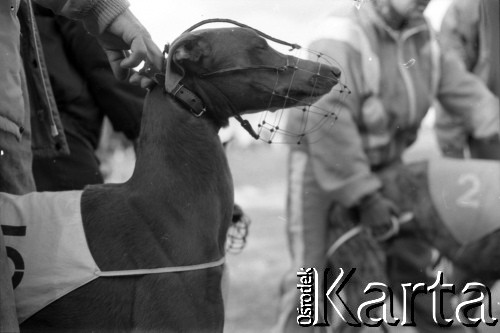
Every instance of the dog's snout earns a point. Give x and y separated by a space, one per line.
329 73
336 72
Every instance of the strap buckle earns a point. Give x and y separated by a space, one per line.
189 99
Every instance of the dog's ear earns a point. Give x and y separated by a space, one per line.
185 54
192 50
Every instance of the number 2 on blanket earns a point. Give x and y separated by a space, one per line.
471 197
13 254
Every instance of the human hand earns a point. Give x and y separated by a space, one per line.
238 230
127 44
486 148
376 212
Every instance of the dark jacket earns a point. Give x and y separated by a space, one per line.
86 91
48 135
47 132
83 83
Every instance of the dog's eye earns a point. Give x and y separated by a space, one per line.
262 44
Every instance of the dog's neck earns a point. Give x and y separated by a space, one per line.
180 195
218 105
172 137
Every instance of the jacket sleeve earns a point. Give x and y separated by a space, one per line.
96 14
340 165
120 101
460 31
464 95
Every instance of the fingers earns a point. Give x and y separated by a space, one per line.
144 49
395 209
123 72
155 55
115 58
140 80
127 33
138 53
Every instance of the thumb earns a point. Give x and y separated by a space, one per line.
393 208
115 57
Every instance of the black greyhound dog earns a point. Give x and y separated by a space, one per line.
451 204
455 205
171 217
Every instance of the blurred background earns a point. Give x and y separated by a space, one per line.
258 168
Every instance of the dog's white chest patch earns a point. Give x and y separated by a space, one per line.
47 247
466 194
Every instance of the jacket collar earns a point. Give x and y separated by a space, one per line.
370 16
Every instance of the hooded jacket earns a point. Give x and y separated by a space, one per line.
393 77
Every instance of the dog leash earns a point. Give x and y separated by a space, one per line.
396 226
344 239
174 269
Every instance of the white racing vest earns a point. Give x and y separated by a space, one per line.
46 246
48 250
466 194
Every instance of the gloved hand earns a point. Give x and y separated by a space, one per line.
376 211
238 230
127 43
486 148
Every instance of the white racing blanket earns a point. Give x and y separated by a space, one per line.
48 250
466 194
47 247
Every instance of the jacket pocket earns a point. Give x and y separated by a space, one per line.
11 127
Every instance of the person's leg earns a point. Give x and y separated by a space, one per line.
8 316
15 178
307 209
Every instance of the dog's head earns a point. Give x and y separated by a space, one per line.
236 68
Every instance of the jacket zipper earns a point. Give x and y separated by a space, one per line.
53 127
410 87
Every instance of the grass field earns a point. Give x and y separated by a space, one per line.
259 176
259 172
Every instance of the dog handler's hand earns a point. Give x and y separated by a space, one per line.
127 44
376 212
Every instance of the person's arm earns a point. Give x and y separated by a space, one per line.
464 95
124 39
96 14
120 101
459 31
340 165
